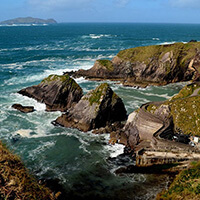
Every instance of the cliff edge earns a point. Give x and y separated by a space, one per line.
149 65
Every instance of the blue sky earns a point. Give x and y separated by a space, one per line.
167 11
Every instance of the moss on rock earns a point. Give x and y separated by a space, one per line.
94 96
106 63
64 79
151 108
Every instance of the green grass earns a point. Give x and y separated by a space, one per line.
187 91
106 63
95 95
179 51
54 77
186 115
151 108
185 186
65 79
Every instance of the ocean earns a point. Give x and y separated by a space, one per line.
78 161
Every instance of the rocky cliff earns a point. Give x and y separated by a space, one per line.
158 65
98 108
158 131
57 92
16 182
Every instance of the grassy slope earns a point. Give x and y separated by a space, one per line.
15 180
144 54
185 110
185 186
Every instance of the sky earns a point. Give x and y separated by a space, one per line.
146 11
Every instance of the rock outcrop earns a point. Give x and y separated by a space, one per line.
149 65
98 108
150 130
57 92
24 109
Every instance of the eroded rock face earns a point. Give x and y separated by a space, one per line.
96 109
130 133
150 65
140 126
24 109
57 92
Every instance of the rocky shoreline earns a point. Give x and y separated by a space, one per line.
148 133
148 65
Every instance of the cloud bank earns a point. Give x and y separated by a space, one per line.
57 4
185 3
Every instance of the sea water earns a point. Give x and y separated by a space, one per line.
79 161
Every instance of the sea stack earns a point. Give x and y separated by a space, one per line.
59 93
98 108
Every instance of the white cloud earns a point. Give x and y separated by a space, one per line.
185 3
57 4
122 3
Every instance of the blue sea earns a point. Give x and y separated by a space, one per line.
79 161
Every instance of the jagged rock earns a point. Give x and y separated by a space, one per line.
24 109
96 109
150 65
57 92
130 135
193 41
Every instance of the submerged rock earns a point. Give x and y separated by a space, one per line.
57 92
96 109
24 109
149 65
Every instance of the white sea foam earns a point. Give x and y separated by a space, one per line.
27 101
115 150
3 115
166 43
172 42
41 148
14 25
23 132
155 39
98 36
166 96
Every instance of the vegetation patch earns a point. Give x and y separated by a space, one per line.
15 180
54 77
106 63
66 79
95 95
185 186
186 115
180 52
151 108
186 91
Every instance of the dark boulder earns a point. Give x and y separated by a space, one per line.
57 92
98 108
193 41
24 109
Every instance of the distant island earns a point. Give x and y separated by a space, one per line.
28 20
